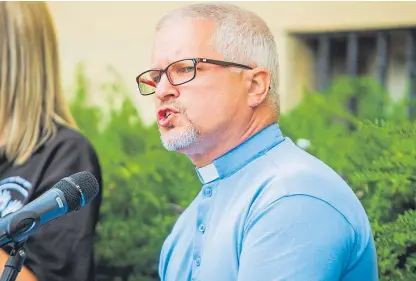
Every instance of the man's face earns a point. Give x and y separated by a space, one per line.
192 116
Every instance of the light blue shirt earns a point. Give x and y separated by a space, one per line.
270 211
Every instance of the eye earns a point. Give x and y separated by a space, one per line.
156 79
186 69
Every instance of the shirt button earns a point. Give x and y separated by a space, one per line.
201 228
198 261
208 191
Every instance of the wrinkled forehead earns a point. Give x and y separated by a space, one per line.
182 38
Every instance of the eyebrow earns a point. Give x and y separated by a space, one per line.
170 60
166 63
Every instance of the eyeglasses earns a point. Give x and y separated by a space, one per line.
178 73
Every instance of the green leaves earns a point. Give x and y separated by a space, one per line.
396 246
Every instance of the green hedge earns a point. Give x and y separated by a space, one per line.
146 187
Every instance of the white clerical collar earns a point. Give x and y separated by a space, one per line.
207 173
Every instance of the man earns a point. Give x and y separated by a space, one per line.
267 210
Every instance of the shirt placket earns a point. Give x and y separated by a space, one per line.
202 227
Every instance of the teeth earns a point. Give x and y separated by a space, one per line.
168 114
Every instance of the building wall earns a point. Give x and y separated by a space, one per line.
119 34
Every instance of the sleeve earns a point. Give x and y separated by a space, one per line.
62 249
296 238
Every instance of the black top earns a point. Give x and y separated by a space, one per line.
61 249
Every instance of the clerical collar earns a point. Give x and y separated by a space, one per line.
241 155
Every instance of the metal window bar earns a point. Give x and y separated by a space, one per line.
411 70
382 49
323 54
352 54
352 65
382 53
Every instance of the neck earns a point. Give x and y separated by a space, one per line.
228 139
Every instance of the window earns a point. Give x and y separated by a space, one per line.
386 54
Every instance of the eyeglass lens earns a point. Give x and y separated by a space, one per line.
178 73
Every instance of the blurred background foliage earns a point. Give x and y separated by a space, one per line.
353 126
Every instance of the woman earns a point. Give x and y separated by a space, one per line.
40 145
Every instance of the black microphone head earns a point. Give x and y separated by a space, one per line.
79 189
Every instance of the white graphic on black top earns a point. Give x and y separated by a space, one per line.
13 194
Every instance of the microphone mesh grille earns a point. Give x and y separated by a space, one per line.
71 193
88 184
72 185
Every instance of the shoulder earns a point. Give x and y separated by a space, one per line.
69 152
299 185
67 136
293 216
68 143
293 172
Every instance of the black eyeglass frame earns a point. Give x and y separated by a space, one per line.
195 61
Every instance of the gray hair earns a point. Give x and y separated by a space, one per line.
240 36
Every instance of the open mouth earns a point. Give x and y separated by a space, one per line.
165 115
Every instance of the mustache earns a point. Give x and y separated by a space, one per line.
177 106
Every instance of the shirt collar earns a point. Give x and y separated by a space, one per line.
241 155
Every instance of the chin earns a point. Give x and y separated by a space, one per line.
179 139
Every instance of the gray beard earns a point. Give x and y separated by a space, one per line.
187 138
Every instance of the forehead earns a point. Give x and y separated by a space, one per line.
183 38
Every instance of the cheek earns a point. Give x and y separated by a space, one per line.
207 109
210 100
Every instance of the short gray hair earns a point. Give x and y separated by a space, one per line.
240 36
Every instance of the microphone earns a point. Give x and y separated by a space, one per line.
69 194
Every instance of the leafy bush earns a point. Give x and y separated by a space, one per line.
146 186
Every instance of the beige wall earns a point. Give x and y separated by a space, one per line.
120 34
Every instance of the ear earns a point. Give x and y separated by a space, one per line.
259 87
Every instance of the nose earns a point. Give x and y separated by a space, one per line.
165 90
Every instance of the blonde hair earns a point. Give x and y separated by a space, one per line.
241 36
31 98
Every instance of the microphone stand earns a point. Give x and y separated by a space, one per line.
15 262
